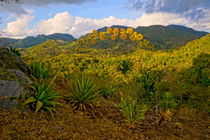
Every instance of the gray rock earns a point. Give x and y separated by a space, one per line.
8 103
22 76
9 90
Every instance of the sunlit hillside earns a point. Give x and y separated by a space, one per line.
126 90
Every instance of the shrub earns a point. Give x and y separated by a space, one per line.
125 66
201 66
43 98
168 101
83 93
107 91
39 70
132 110
149 80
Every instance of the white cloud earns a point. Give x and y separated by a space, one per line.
61 23
77 26
19 28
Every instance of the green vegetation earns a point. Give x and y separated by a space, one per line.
39 70
82 93
168 101
15 51
43 98
157 91
132 110
125 66
107 91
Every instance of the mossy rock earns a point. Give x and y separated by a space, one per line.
10 60
12 78
6 75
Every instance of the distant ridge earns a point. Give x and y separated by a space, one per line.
163 37
32 41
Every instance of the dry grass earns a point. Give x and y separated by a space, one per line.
105 123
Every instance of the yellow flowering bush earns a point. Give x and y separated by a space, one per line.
122 30
123 36
109 30
116 31
114 37
129 31
103 36
139 37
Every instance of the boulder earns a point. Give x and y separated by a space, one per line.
12 78
9 91
23 78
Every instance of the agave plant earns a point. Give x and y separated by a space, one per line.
15 51
83 93
39 70
107 91
132 110
43 98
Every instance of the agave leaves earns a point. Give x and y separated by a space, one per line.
83 93
107 91
15 51
43 98
132 110
39 70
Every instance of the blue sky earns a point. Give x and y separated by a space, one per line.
78 17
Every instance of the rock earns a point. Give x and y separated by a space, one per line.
8 103
9 90
12 78
20 75
10 60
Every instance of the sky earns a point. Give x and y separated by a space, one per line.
78 17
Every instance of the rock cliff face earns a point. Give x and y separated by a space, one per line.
12 78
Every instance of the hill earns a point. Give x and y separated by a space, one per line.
186 29
32 41
140 95
162 37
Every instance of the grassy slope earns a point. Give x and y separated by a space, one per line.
106 122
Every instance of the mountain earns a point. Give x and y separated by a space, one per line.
190 30
4 41
32 41
169 37
162 37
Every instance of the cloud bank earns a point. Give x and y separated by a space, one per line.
18 9
64 22
191 13
193 9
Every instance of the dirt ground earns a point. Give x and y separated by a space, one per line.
104 123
